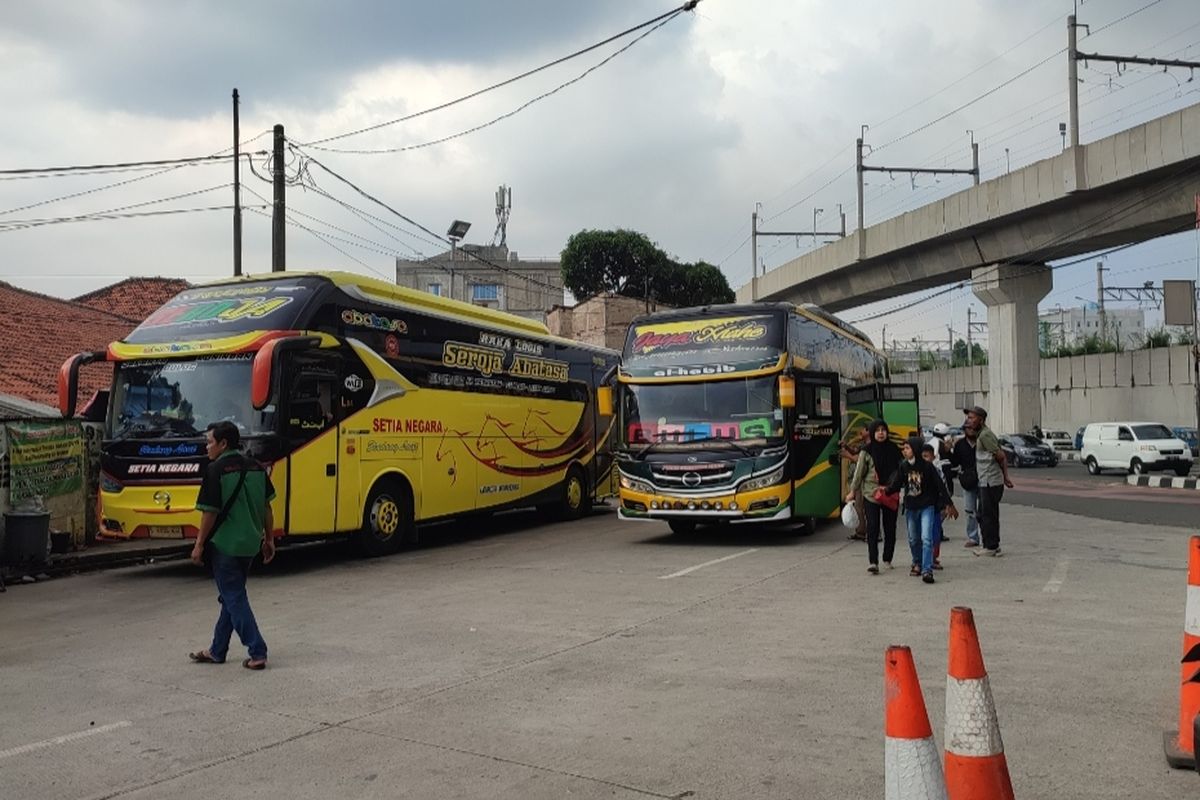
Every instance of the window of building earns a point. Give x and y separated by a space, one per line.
485 293
434 288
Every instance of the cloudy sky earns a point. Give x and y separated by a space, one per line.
678 136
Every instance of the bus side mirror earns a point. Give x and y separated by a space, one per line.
266 365
787 392
604 401
68 381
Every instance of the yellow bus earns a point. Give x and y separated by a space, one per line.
375 407
737 413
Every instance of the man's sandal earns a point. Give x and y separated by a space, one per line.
250 663
202 657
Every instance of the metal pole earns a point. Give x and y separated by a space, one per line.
859 165
754 254
237 191
1100 301
278 244
842 214
975 160
1073 81
970 354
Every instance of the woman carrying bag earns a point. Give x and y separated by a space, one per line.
877 463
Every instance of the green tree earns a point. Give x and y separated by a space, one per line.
628 263
609 261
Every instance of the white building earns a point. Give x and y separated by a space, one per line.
1070 326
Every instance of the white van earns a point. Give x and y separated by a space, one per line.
1136 447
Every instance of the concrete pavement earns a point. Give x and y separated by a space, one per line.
595 659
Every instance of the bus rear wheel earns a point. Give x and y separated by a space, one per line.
387 519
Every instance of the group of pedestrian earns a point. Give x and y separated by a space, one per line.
920 476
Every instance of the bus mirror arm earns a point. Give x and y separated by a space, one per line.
68 380
266 365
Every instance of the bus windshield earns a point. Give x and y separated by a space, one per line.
180 398
744 411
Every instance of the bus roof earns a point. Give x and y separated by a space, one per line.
390 293
809 310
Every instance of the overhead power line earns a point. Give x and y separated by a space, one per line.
656 22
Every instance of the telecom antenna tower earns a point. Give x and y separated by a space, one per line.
503 209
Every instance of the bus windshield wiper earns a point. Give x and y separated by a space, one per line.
723 440
640 455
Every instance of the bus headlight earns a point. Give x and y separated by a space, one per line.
634 485
109 484
763 481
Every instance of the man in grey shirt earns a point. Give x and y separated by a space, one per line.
992 466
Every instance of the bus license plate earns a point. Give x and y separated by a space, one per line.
166 531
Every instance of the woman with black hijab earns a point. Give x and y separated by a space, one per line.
877 464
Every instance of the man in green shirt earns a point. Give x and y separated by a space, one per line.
235 501
992 466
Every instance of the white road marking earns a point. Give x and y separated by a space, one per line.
70 737
707 564
1058 576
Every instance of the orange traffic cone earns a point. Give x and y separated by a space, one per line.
1180 745
911 768
975 765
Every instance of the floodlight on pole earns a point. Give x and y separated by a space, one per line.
458 229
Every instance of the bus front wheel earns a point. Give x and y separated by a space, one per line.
387 518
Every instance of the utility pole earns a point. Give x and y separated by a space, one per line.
1100 301
278 244
816 212
237 191
1072 81
912 171
970 355
754 253
950 337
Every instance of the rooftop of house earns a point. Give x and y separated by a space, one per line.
134 298
41 332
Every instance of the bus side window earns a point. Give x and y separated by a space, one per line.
310 405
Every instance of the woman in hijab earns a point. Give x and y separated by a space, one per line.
877 464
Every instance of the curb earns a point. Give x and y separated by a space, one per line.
1162 482
95 558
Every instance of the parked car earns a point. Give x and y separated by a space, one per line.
1189 437
1058 440
1079 438
1137 447
1025 451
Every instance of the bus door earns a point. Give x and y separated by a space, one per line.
900 409
310 394
815 436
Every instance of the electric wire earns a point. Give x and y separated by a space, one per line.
660 20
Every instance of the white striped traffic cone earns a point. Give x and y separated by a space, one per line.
975 765
911 767
1180 745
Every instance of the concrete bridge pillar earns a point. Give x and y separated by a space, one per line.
1011 293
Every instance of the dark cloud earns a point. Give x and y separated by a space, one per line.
183 58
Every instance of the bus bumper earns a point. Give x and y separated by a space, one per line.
764 505
150 512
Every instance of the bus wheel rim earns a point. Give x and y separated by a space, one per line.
574 492
385 517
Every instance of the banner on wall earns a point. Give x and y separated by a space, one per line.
45 459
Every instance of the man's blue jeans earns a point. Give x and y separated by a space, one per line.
970 502
921 530
230 572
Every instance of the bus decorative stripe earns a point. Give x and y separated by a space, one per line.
242 343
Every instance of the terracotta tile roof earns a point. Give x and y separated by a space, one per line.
134 298
40 332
